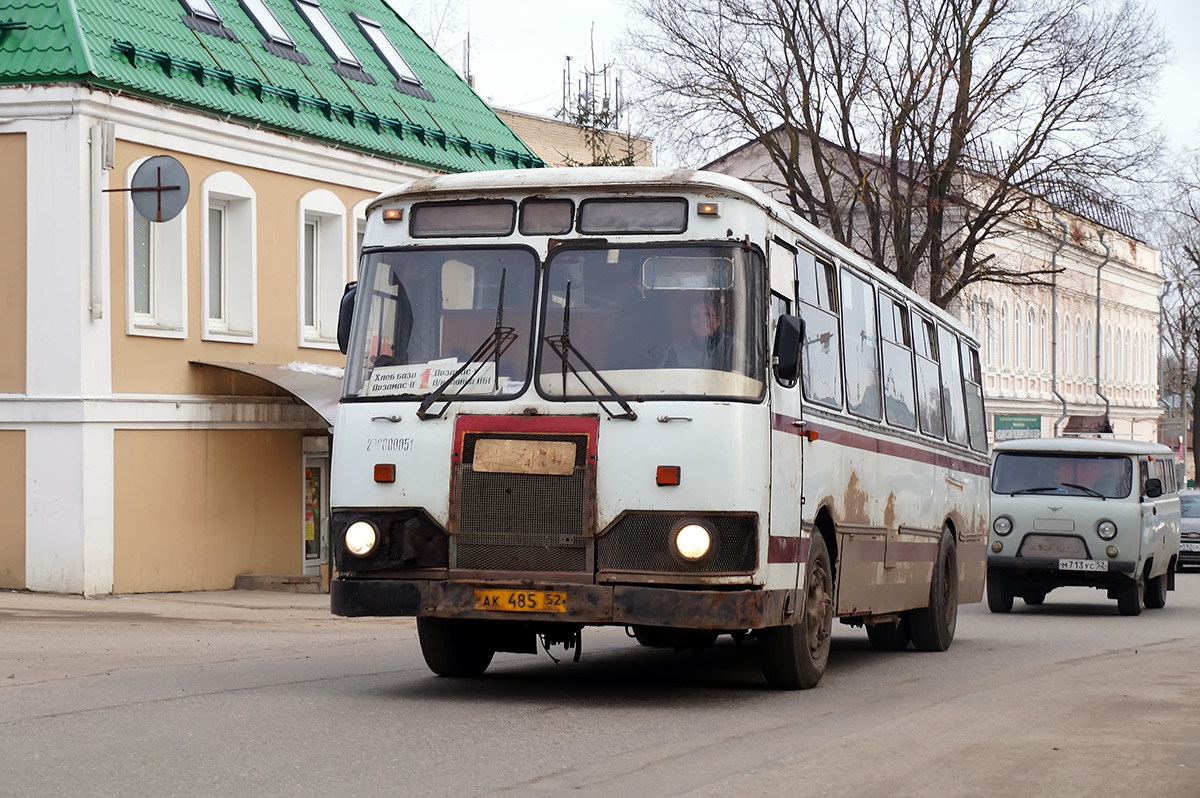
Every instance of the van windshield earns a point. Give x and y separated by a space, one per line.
1098 476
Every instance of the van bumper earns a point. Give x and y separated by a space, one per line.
1045 570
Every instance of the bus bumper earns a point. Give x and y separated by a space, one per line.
624 605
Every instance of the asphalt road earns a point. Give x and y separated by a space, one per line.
267 695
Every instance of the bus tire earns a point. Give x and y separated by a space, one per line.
889 636
932 626
1155 596
453 647
1129 598
794 657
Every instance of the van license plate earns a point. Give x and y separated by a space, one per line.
521 600
1082 565
1189 546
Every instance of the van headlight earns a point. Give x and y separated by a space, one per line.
1107 530
361 538
692 541
1002 525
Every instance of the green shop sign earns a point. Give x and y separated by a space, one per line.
1008 427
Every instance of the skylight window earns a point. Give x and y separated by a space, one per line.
267 23
202 9
347 64
406 79
202 17
278 41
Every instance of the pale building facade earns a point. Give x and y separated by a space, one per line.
560 143
1029 392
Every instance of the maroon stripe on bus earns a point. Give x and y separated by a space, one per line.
788 550
855 440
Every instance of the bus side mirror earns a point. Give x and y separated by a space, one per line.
345 315
789 332
1153 488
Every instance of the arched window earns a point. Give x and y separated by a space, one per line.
990 319
1004 335
1118 357
1087 351
1126 356
1044 344
1137 361
1080 367
1029 350
1107 360
1018 355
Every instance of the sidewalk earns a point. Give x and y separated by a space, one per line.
205 605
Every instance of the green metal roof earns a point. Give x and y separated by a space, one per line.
148 48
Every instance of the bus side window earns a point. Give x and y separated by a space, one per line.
899 399
929 388
816 281
973 387
952 386
863 395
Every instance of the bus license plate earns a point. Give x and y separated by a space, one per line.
1082 565
521 600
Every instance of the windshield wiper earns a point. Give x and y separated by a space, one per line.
562 346
1041 489
496 344
1084 488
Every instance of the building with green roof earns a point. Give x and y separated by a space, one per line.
166 381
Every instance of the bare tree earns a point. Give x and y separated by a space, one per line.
912 130
1181 296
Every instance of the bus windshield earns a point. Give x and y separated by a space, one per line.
1109 477
424 314
680 320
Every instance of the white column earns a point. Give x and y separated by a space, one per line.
69 463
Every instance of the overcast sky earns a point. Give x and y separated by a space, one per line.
519 49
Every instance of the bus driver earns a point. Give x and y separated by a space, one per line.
705 345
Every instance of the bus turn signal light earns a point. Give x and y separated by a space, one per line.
393 214
385 472
668 475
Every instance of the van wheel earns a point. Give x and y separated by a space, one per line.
454 647
1156 592
999 593
932 627
1034 598
889 636
795 656
1129 598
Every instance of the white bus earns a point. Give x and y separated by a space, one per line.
648 398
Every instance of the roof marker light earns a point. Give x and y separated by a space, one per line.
393 214
708 209
668 475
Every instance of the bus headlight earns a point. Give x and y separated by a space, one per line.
1107 530
1002 525
361 538
692 542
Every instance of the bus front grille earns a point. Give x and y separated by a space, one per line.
518 521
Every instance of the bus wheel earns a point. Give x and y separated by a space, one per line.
889 636
1129 598
999 593
932 627
794 657
1156 592
454 647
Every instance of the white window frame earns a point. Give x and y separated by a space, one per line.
358 229
238 322
322 208
386 49
167 316
202 9
333 41
271 27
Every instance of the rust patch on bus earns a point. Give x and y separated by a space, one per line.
855 502
889 512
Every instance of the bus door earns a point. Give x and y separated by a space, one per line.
786 426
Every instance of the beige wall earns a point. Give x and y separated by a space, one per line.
195 508
557 142
12 267
161 365
12 509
